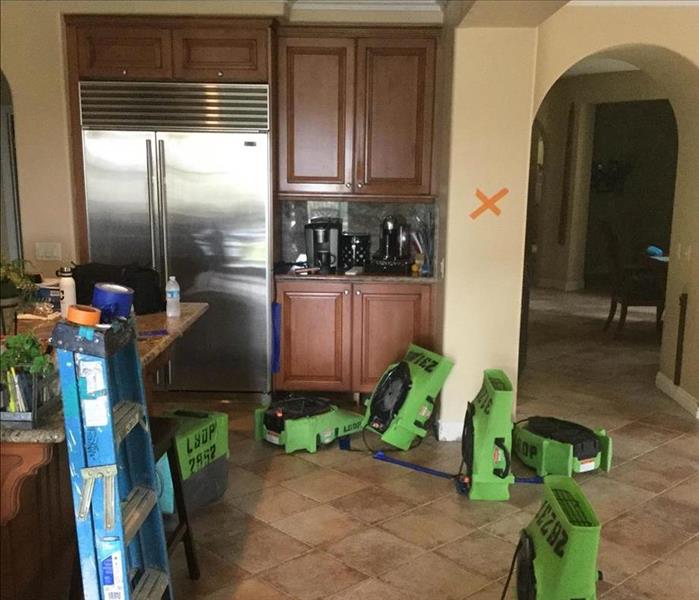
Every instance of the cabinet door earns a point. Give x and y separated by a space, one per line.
220 54
124 52
315 336
395 98
386 319
316 112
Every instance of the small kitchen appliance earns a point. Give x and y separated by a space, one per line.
354 250
393 255
322 243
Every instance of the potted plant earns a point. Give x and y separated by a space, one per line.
17 289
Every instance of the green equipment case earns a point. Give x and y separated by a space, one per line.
486 442
556 447
201 438
302 423
557 553
403 401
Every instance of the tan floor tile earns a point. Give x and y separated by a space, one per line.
373 589
371 470
686 556
249 589
281 468
313 576
419 487
220 518
425 527
241 482
651 476
675 453
262 549
619 562
510 527
494 591
472 513
318 525
328 456
272 503
610 498
216 573
372 504
482 553
662 580
433 576
644 533
325 485
373 551
525 494
678 507
684 423
248 450
636 438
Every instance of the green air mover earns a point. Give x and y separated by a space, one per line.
557 552
301 423
403 400
486 441
556 447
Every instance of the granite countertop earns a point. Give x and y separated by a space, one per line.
362 278
52 431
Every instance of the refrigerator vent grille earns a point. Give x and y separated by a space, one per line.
190 106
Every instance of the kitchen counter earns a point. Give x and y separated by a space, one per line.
363 278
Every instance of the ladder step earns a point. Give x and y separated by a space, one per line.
136 509
151 586
126 416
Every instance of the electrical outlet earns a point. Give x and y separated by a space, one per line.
48 251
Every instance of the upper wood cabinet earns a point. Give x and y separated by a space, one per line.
316 114
118 52
220 54
395 97
170 48
356 113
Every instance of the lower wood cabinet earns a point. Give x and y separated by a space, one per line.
342 336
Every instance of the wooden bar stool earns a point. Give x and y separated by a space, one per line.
162 430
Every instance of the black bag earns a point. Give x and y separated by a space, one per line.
148 294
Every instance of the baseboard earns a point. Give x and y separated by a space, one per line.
450 431
679 395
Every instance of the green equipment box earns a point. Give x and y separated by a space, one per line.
403 401
302 423
557 552
486 441
201 438
556 447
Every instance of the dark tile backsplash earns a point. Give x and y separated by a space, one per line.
357 217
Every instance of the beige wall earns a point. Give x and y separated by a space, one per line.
497 91
562 266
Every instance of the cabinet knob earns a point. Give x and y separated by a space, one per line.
348 185
358 292
346 292
124 71
359 185
220 73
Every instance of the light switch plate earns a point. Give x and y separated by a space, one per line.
48 251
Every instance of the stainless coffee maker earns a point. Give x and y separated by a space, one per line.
393 255
322 243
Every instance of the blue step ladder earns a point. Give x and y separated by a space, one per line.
121 538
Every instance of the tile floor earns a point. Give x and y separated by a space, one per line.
343 526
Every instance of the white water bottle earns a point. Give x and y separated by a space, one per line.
172 297
66 285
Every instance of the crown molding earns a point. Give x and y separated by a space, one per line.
369 5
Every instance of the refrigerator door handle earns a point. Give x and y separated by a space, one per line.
151 208
163 205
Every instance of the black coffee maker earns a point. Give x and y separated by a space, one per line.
322 243
393 255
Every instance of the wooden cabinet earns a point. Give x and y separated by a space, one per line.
124 52
342 336
169 48
316 114
395 96
386 319
315 336
356 113
220 54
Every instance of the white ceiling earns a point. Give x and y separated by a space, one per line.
386 5
593 65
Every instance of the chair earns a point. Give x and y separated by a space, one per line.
631 286
163 431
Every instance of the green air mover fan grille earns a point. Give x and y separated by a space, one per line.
389 396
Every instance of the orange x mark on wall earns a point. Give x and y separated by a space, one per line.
488 203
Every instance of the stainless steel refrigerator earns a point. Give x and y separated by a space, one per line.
177 177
